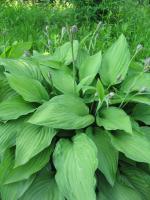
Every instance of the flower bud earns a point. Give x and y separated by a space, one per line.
74 29
139 47
46 28
111 94
147 61
143 89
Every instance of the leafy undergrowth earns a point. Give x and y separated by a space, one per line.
74 126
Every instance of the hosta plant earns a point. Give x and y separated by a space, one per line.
74 126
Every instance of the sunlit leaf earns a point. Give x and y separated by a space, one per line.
115 62
32 140
113 118
14 107
64 112
31 90
76 162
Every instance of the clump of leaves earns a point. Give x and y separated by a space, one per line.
74 126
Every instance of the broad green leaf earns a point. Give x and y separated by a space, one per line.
115 62
32 140
76 162
44 187
8 133
14 191
119 191
22 67
18 49
9 174
63 81
91 66
14 107
139 98
5 90
31 90
139 179
107 154
114 118
135 146
81 57
141 112
64 53
64 112
136 83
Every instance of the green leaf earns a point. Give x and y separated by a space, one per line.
64 53
21 67
18 49
63 81
115 62
64 112
100 90
135 147
139 82
8 133
14 191
9 174
141 112
31 141
31 90
76 162
5 90
114 118
139 179
107 154
14 107
44 187
91 66
119 191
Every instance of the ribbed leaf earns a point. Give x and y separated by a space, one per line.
113 118
115 62
31 90
119 191
136 83
8 133
64 52
76 163
141 112
63 81
5 90
31 141
90 66
139 179
135 147
64 112
43 188
9 174
107 154
19 67
14 191
14 107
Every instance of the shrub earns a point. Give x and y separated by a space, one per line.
74 126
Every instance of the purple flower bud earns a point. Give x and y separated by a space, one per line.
74 29
147 61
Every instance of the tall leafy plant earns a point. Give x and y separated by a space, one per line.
74 136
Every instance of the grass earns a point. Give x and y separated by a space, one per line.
27 23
